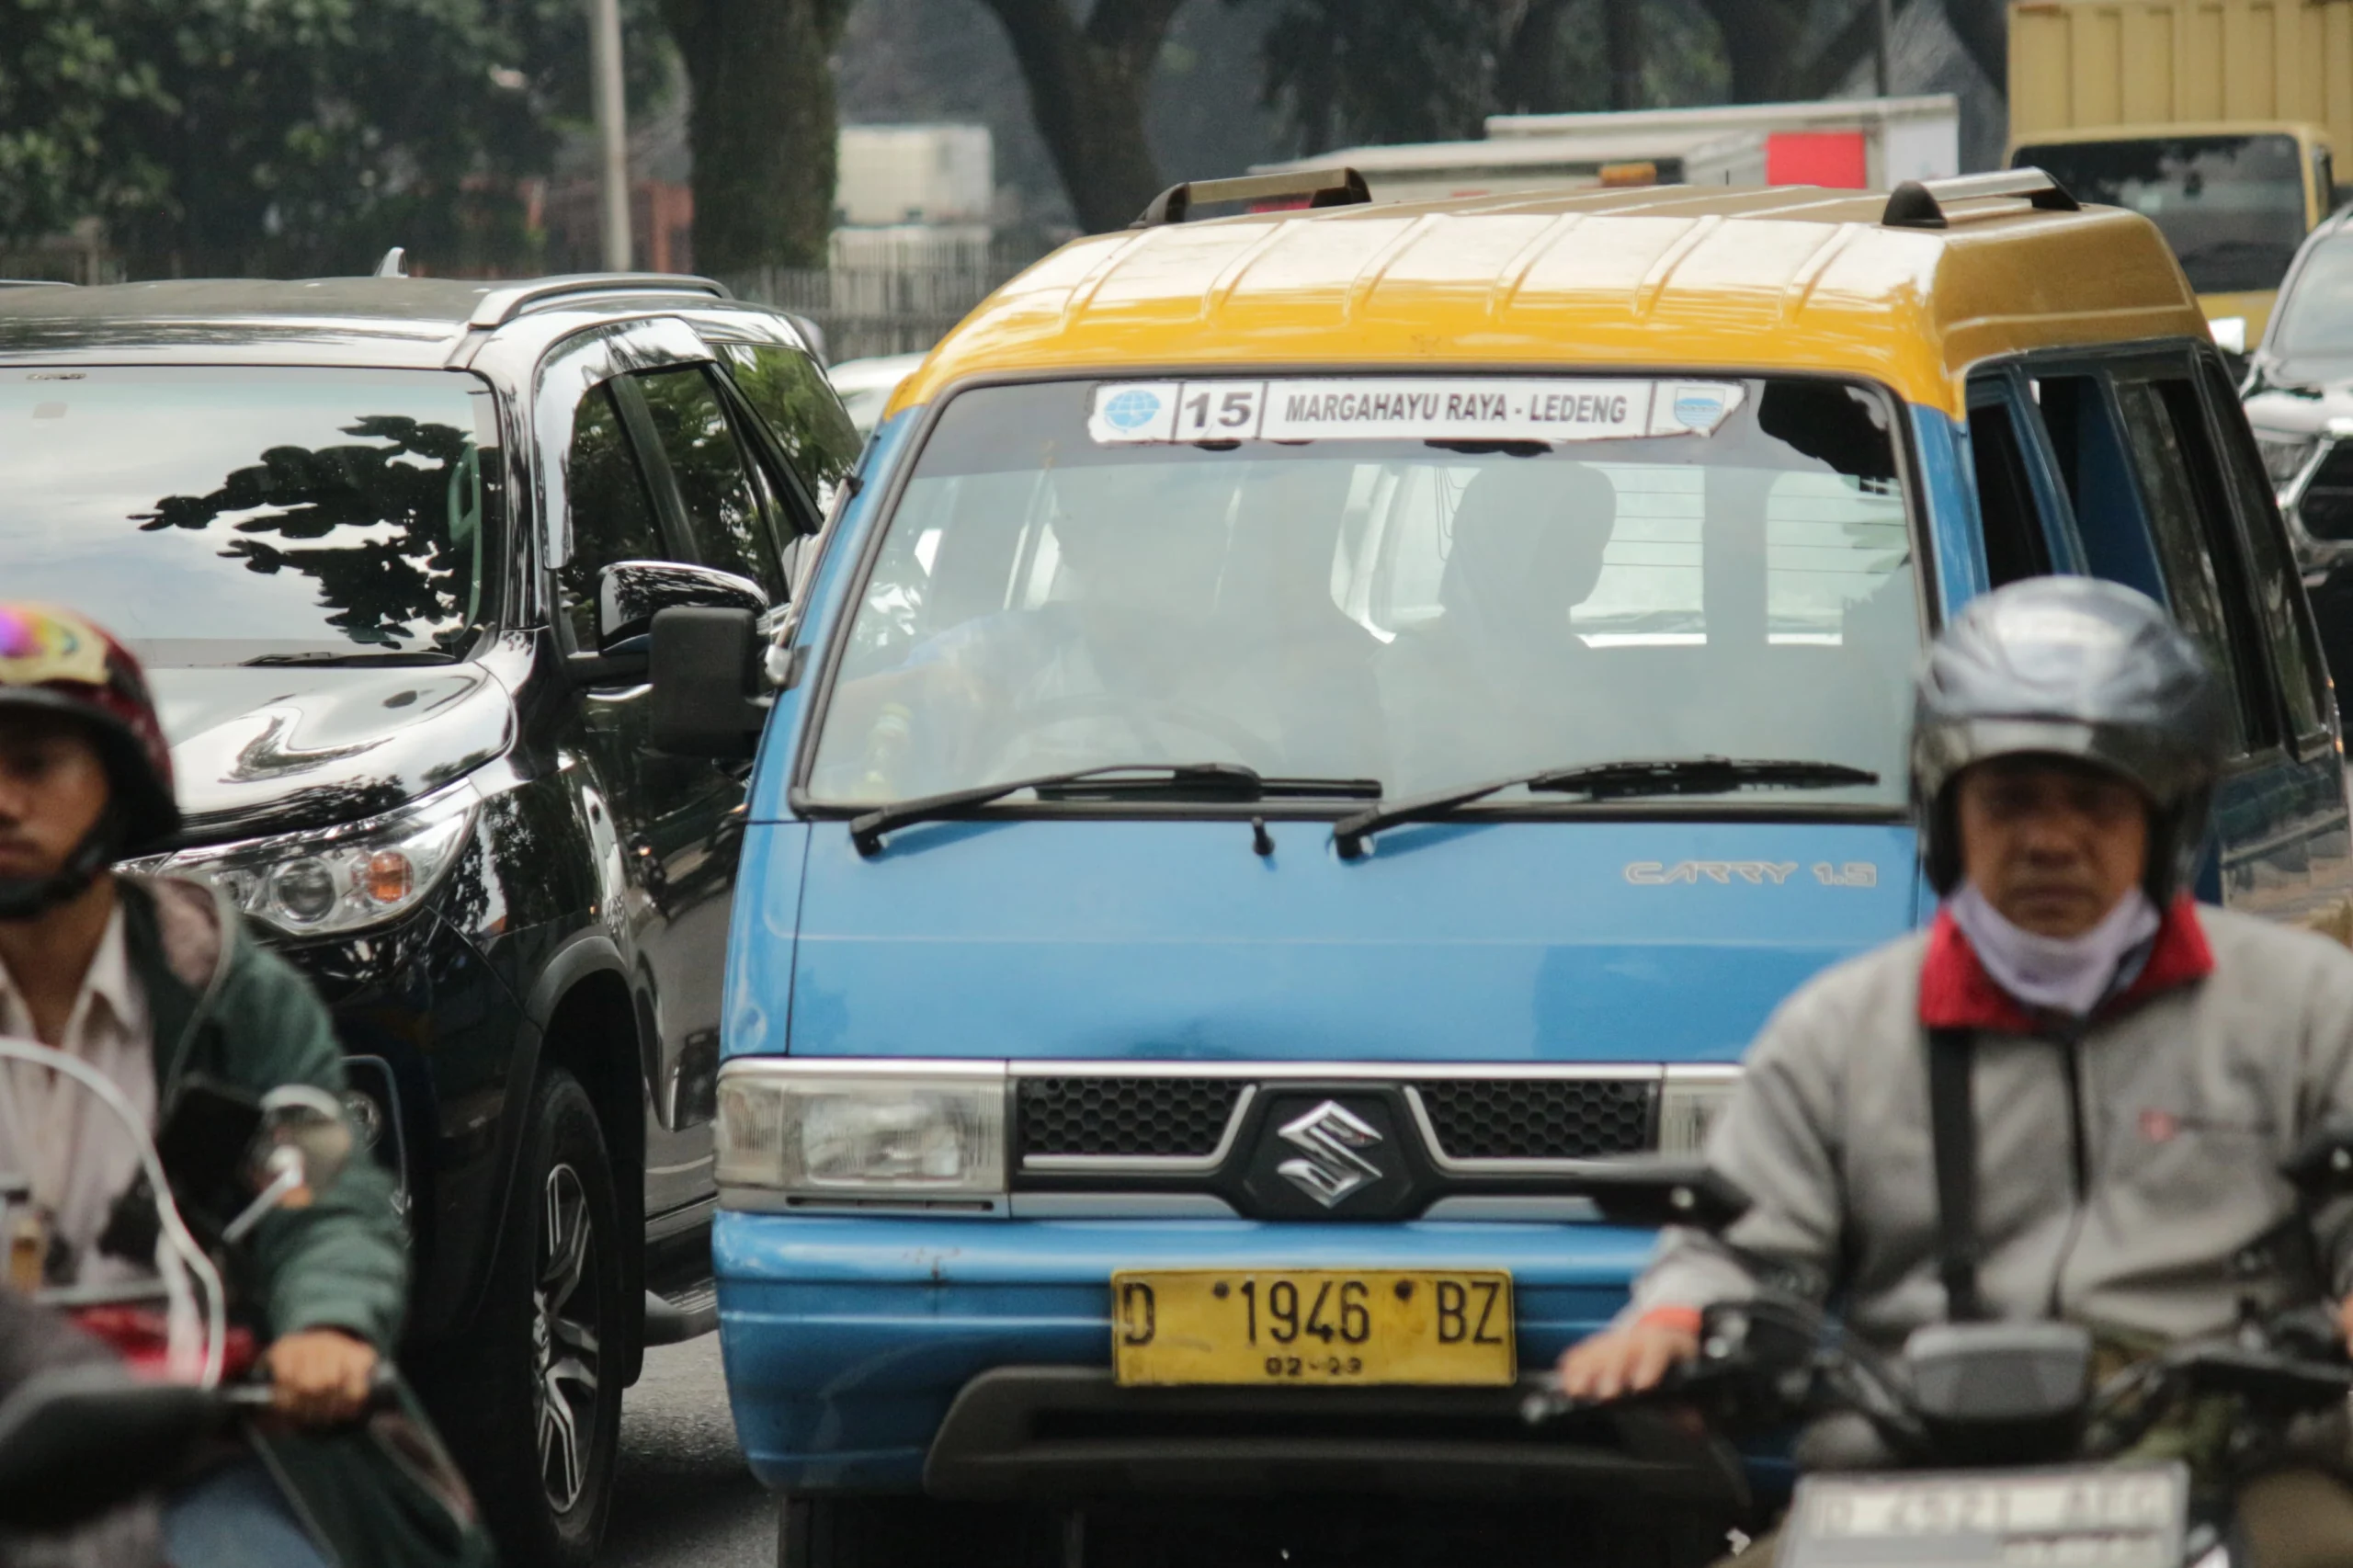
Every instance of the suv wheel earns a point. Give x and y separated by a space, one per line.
912 1532
543 1426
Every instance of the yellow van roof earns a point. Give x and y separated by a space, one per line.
1761 279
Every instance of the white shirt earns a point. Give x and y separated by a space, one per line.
54 1133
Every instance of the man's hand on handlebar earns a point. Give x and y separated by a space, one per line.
321 1376
1628 1360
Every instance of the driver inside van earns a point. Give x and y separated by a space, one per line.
1118 663
1499 674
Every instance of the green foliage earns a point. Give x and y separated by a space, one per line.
231 136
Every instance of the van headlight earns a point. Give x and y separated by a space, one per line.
1688 1102
336 879
916 1133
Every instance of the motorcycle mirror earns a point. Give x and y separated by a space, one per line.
1651 1190
2322 1166
75 1441
302 1147
309 1123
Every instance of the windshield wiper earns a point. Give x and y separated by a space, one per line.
1127 780
1606 782
330 657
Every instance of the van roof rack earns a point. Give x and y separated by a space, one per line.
1920 204
502 305
1323 187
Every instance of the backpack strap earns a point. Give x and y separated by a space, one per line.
1952 1131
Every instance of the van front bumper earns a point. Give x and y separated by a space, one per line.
849 1339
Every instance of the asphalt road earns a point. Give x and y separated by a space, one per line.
683 1497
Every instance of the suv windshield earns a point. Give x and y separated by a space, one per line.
2317 314
218 515
2232 207
1356 585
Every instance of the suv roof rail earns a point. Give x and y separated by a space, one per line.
1919 204
502 305
1323 187
34 283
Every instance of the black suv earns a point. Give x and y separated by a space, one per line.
389 548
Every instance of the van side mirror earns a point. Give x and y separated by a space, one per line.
630 594
705 668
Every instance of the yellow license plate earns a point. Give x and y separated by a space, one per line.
1304 1327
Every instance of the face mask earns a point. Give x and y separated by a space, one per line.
2065 974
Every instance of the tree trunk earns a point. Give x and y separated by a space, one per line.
1087 85
1984 29
1621 24
1760 45
1528 78
761 127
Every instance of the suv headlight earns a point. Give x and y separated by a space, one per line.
924 1130
336 880
2284 458
1688 1102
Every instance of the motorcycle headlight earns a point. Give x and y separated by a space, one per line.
1688 1102
924 1131
336 879
2284 458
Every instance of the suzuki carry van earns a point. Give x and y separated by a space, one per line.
1319 723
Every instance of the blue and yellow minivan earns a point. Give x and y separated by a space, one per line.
1318 723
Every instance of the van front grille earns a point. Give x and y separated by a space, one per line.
1131 1117
1539 1119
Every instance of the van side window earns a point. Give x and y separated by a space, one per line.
612 515
2190 519
2090 455
2015 546
724 517
2282 611
786 388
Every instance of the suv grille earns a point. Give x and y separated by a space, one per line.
2327 506
1124 1116
1547 1118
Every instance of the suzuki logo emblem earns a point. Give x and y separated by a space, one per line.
1329 1136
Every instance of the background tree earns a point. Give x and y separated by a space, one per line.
1088 81
761 127
225 138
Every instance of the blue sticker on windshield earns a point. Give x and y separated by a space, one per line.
1699 408
1132 408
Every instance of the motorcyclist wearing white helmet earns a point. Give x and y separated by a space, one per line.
2136 1067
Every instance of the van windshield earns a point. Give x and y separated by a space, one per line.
220 516
2230 207
1348 589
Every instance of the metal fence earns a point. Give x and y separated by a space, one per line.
892 307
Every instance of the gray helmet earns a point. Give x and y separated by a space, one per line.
2074 667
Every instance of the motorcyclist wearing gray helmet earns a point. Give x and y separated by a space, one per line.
2139 1066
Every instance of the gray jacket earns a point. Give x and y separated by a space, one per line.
2117 1176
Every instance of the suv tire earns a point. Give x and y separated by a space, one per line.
911 1533
536 1406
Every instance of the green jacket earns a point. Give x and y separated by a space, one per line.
382 1492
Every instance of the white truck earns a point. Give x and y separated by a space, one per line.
1850 144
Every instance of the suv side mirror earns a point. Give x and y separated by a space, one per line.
705 673
630 594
